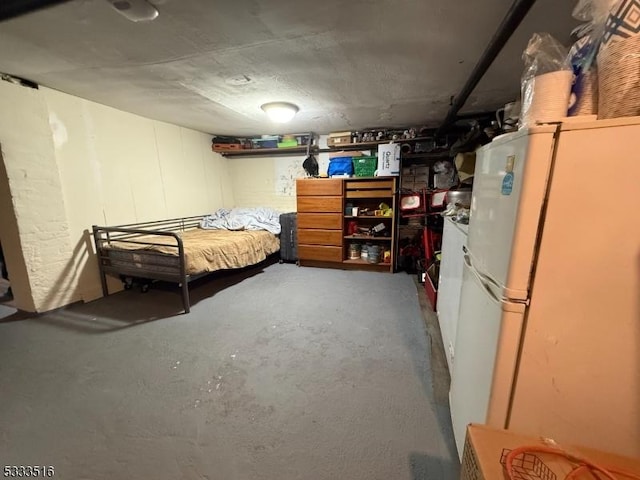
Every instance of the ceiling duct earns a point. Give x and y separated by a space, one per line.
509 24
15 8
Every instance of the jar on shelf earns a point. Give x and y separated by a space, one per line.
373 254
355 250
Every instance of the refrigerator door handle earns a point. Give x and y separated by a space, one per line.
480 277
484 278
490 280
489 291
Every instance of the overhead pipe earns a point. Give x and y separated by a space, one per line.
509 24
15 8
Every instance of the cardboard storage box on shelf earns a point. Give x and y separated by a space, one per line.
486 448
407 181
421 180
388 159
225 147
338 138
340 153
465 164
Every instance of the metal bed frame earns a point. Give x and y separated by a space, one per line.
146 264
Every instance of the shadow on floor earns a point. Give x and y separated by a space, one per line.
426 467
9 313
438 382
132 308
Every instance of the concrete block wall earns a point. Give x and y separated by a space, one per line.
71 163
36 199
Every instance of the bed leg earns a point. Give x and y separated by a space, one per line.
185 297
103 281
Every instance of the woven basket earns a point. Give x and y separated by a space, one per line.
587 101
619 79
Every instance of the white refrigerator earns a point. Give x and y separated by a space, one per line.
548 339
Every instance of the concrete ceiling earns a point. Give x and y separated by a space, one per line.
348 64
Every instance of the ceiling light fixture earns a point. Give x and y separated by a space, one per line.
135 10
280 112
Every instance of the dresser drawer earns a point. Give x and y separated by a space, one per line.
327 221
320 237
320 253
367 185
319 186
319 204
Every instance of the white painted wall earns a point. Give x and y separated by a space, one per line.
98 166
36 241
270 181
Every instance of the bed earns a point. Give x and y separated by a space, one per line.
177 250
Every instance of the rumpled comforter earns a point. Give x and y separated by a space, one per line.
243 219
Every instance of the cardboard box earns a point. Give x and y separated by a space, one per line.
486 448
422 179
388 159
465 164
421 170
407 181
338 138
344 154
225 147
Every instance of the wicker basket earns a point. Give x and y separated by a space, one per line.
587 101
619 79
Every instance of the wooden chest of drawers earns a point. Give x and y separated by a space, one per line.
320 214
324 236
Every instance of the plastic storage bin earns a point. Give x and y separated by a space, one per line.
365 166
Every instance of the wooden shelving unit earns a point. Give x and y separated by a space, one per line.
369 192
360 261
256 152
367 237
252 152
323 228
368 145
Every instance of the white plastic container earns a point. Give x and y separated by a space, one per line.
546 97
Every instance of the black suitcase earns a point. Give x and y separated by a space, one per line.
289 238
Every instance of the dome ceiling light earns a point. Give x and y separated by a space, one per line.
135 10
280 112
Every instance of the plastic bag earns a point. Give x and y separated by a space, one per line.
445 174
546 81
544 54
592 11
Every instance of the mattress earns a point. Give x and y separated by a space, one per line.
210 250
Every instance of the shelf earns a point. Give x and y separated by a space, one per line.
369 217
429 155
369 194
247 152
366 237
368 145
360 261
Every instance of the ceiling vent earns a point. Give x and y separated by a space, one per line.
135 10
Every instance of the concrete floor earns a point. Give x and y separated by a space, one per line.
278 372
